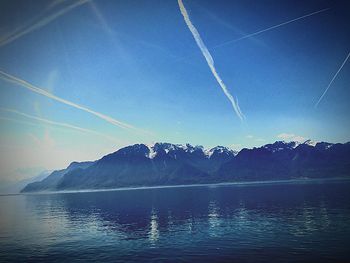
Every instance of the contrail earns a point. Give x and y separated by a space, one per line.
260 31
18 121
330 83
42 22
60 124
270 28
27 85
31 21
209 59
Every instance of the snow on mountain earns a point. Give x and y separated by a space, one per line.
283 145
173 149
219 150
310 142
187 148
168 164
152 152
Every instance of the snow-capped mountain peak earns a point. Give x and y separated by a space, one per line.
310 142
219 150
172 149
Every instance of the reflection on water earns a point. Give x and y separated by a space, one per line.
154 232
213 214
291 222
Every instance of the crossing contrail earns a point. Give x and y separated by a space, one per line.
209 59
330 83
42 22
30 22
269 28
9 78
55 123
260 31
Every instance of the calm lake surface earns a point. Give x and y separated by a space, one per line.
233 223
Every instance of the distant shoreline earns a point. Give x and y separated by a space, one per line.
241 183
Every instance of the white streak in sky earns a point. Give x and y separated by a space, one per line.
270 28
209 59
262 31
50 122
330 83
25 84
18 121
42 22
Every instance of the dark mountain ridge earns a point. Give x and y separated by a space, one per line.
171 164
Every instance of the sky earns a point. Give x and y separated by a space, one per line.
80 79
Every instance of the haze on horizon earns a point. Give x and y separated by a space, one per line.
80 79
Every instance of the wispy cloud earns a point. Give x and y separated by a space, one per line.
260 140
330 83
101 19
209 59
252 137
47 142
7 77
285 135
291 137
46 20
269 28
55 123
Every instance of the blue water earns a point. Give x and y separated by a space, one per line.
244 223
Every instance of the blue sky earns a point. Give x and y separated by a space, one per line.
137 62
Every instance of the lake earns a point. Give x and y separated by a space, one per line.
228 223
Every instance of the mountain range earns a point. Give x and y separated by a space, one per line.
174 164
